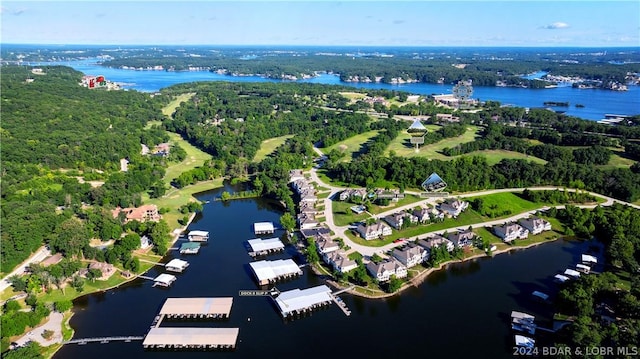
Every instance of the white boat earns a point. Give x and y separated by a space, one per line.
525 342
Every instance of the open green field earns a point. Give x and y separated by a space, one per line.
495 156
170 108
195 157
617 161
353 96
352 145
506 201
401 146
268 146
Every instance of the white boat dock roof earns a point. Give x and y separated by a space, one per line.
561 278
521 315
589 259
263 227
297 299
271 270
191 337
572 273
197 306
177 263
199 233
583 267
523 341
165 279
268 244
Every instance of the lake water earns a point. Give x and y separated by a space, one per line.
459 312
596 102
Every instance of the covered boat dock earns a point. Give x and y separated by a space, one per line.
191 338
176 265
271 271
189 248
263 228
265 246
164 280
298 301
198 236
197 308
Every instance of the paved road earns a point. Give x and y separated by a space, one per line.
54 324
368 251
37 257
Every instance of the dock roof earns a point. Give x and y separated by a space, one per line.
298 299
197 306
189 245
199 233
165 278
191 337
267 244
263 227
268 270
177 263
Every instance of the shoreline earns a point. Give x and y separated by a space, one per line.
419 279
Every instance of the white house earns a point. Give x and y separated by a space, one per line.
340 261
384 270
535 225
356 193
462 239
454 207
306 221
395 220
422 215
410 255
326 245
511 231
373 231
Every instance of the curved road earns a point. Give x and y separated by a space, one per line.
369 251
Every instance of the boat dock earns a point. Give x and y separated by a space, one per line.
189 248
263 228
191 338
176 265
341 305
198 236
196 308
164 280
102 340
259 247
267 272
299 301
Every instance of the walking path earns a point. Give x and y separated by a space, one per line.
340 231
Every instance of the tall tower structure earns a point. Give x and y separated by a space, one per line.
417 132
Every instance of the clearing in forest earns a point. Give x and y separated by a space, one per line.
352 145
268 146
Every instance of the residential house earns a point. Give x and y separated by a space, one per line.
384 270
308 196
316 233
410 255
340 261
535 225
421 214
435 242
308 208
106 269
393 195
307 221
395 220
147 212
296 175
462 239
162 149
511 231
353 193
373 231
326 245
453 207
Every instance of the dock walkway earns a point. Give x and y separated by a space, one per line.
103 340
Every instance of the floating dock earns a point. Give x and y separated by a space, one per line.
189 248
267 272
164 280
572 273
583 268
197 308
589 260
176 265
265 246
263 228
191 338
198 236
299 301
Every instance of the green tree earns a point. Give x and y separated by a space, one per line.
288 222
63 305
394 284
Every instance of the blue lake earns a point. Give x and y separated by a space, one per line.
596 102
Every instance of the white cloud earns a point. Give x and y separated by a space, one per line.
556 25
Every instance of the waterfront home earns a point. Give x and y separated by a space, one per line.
339 261
462 239
410 255
326 245
307 221
511 231
453 207
308 196
353 194
535 225
106 269
421 214
302 185
307 208
384 270
373 231
296 175
435 242
147 212
316 233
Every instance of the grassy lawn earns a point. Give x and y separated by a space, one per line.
176 198
408 199
195 157
495 156
352 145
268 146
506 201
343 215
353 96
169 109
617 161
401 146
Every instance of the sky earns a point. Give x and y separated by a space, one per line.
362 23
